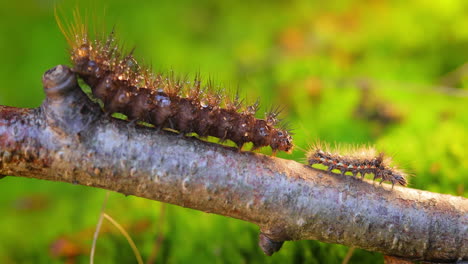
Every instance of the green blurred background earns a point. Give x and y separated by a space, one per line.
380 72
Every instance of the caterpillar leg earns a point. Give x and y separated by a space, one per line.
131 127
375 177
171 125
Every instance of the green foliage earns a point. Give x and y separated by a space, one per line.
347 71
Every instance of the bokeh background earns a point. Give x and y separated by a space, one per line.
393 74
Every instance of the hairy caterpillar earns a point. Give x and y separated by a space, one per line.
358 161
165 101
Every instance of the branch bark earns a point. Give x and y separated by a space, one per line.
69 139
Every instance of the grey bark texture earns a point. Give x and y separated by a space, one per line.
69 139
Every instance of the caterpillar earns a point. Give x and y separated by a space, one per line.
364 160
163 100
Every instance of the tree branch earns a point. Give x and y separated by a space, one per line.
69 139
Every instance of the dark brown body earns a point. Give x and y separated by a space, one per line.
167 108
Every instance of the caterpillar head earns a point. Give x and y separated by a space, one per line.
282 140
399 178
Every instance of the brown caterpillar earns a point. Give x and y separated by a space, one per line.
362 160
165 101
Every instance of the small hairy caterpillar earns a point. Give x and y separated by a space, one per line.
362 161
165 101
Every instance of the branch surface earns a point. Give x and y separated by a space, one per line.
69 139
